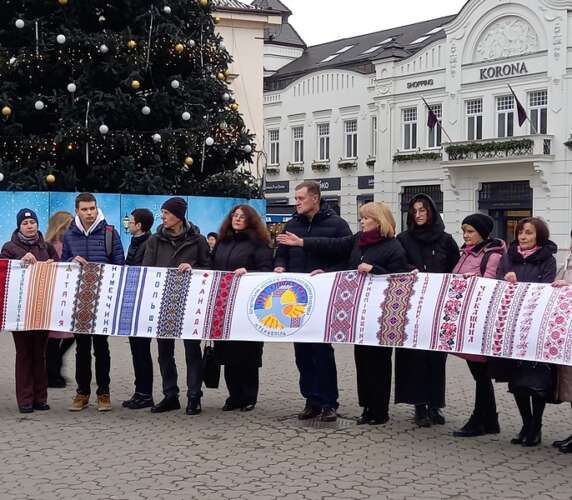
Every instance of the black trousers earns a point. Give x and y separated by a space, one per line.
242 383
83 363
55 356
194 362
485 403
142 365
373 368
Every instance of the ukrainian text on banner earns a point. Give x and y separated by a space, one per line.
441 312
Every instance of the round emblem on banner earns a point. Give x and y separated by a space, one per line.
280 307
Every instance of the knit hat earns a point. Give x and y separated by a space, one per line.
177 206
24 214
481 222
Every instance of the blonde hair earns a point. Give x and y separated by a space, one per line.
381 214
58 225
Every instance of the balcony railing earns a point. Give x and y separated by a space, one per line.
507 149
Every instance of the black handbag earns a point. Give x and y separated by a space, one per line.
534 379
211 367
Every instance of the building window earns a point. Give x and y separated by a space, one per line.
435 133
373 137
274 146
324 141
298 144
474 111
505 116
351 136
538 105
409 120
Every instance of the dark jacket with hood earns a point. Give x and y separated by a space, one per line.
540 267
386 255
429 248
92 247
243 249
136 250
16 248
164 249
324 224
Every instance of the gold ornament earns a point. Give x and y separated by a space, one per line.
226 72
50 178
217 20
135 84
221 76
189 161
179 48
234 106
63 2
203 3
6 111
131 44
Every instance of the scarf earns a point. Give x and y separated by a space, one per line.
367 238
527 253
26 240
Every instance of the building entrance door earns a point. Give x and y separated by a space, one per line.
506 203
506 221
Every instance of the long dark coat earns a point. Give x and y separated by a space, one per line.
230 254
420 375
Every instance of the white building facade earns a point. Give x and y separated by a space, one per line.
361 126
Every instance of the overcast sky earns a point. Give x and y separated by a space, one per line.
320 21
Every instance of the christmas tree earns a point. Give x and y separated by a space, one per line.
122 96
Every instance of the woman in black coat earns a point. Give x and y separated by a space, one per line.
373 250
420 375
243 246
530 259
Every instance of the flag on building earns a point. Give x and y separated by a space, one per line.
522 115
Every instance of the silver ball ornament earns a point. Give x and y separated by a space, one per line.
146 110
175 84
1 176
103 129
39 105
226 97
156 138
248 149
186 116
191 43
167 9
20 23
61 39
104 49
209 141
71 88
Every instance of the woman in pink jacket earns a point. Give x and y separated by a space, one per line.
480 256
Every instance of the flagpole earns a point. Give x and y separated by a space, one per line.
438 121
532 126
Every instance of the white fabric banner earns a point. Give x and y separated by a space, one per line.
441 312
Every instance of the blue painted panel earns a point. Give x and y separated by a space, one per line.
205 212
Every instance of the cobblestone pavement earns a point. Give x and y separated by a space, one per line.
268 453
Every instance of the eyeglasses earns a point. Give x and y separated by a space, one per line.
239 216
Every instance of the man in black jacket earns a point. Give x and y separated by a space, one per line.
316 362
140 224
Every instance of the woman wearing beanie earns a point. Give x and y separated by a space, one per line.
420 375
243 246
530 259
28 245
480 256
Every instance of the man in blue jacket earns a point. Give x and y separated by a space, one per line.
316 362
91 239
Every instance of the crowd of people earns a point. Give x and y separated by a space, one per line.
314 241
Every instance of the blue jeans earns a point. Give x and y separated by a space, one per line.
318 376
